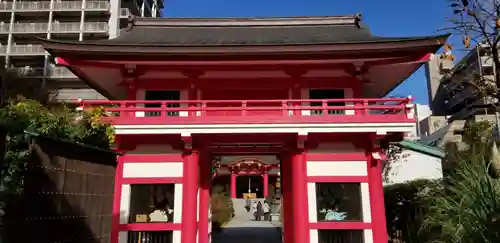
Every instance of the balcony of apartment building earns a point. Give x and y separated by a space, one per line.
50 72
56 27
42 6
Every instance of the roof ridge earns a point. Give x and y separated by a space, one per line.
354 19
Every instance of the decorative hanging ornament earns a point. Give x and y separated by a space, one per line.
467 40
447 48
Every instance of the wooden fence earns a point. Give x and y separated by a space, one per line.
67 197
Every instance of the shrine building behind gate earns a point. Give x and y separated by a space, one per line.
305 89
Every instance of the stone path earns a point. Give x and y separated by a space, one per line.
242 229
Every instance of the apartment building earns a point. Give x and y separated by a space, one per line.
22 23
449 93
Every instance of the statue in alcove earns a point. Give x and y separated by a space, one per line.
329 202
161 203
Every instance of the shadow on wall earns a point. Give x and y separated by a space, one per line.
67 196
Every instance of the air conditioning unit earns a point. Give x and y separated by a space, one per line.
124 13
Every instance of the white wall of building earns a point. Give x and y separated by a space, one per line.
413 165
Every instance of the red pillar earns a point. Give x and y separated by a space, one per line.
233 185
376 199
189 200
286 194
115 223
205 178
266 184
299 195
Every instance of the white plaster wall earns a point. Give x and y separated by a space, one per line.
125 204
365 203
123 237
178 203
311 199
313 236
154 149
336 168
367 234
176 236
413 166
152 170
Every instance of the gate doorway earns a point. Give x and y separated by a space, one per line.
244 206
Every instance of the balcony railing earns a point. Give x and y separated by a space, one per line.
30 27
58 6
255 111
75 27
5 6
27 50
32 6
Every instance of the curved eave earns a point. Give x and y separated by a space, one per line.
75 48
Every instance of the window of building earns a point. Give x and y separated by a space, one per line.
488 70
163 95
152 203
325 94
340 236
338 202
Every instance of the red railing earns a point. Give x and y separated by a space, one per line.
202 111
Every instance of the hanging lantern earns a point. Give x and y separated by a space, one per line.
495 161
467 40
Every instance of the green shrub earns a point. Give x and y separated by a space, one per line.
221 205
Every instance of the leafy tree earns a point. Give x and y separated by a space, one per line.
478 22
405 205
20 115
468 211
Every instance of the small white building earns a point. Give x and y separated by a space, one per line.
416 161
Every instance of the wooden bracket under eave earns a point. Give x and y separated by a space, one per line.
301 140
188 140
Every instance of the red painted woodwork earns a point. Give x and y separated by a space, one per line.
189 201
287 203
242 94
328 62
152 158
339 225
152 180
338 179
377 205
205 184
282 111
115 222
336 156
299 195
149 227
266 184
233 185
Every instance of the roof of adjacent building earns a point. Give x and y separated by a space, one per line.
422 148
217 32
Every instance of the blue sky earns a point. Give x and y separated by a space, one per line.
385 17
